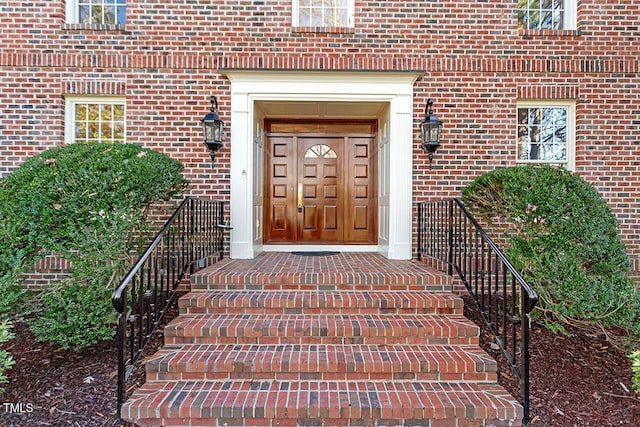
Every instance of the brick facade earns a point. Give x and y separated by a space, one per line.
476 64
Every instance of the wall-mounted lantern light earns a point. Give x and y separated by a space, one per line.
430 131
213 130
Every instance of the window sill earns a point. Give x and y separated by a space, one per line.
529 34
94 27
323 30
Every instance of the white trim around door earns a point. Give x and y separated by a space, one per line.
391 95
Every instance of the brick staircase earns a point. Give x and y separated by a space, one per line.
335 347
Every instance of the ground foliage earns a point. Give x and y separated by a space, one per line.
563 238
87 203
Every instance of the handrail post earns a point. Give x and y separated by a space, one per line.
526 329
121 338
450 254
420 231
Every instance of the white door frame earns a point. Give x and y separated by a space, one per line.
393 89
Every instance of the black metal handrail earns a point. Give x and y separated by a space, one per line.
447 232
190 239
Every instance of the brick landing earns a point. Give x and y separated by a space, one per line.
356 271
342 340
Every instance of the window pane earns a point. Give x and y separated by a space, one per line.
94 130
96 15
118 112
558 19
109 15
122 14
83 14
341 18
81 112
316 17
106 132
320 151
305 17
81 131
106 112
93 111
328 18
118 131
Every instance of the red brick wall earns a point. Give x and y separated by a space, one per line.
476 65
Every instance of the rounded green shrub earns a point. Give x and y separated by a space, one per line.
87 202
563 238
75 315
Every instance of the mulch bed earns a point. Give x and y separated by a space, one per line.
578 380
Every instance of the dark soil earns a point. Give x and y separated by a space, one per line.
579 380
576 380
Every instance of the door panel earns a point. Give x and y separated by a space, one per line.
321 189
318 159
360 200
280 190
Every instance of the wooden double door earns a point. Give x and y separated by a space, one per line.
320 189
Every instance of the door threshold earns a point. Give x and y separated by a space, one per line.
314 248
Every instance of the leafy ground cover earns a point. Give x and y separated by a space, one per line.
579 380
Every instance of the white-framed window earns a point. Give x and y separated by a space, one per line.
547 14
546 133
323 13
107 12
95 119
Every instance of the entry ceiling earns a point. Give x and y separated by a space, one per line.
320 109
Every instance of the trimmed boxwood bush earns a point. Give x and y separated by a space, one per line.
87 202
561 235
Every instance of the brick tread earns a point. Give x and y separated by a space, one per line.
345 268
321 362
301 302
321 329
346 271
305 400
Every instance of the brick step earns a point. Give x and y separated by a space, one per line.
321 329
321 403
313 302
362 272
321 362
346 286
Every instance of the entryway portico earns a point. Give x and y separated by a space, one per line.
386 97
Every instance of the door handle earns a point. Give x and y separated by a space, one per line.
299 197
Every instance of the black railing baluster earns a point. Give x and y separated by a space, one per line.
526 307
503 297
450 242
514 316
146 292
484 267
496 299
504 314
